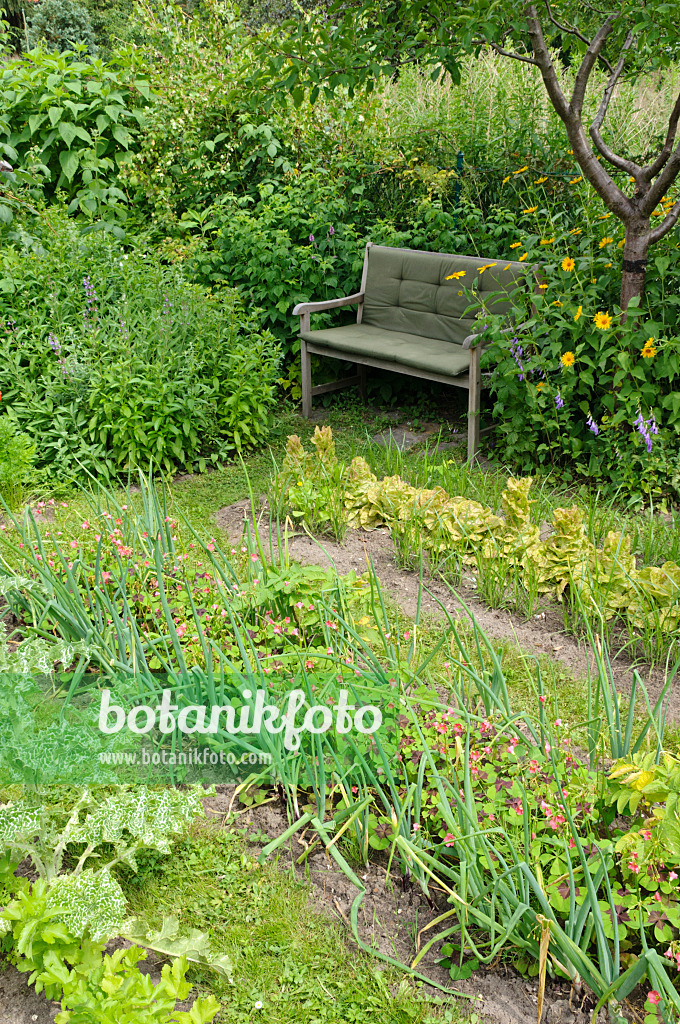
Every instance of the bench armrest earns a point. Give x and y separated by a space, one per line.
318 307
473 340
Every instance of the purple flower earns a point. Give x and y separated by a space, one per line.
516 353
559 401
311 239
331 231
646 428
54 344
592 426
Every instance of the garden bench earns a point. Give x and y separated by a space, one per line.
413 317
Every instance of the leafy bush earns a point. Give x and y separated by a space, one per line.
112 359
61 25
73 124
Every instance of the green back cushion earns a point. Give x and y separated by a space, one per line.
407 291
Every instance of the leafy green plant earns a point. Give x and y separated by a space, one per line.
512 563
17 456
71 968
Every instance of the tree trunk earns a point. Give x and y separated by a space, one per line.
634 262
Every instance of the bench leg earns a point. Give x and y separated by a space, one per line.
361 370
306 374
474 403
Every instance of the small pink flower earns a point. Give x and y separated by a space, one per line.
653 997
85 525
656 897
646 833
542 699
74 543
635 868
449 840
672 875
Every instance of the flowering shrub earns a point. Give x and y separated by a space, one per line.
577 388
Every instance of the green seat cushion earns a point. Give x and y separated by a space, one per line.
394 346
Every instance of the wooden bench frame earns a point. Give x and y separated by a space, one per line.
472 381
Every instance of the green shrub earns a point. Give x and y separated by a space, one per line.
112 359
61 25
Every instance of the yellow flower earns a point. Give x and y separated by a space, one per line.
460 293
568 263
522 258
539 387
575 231
568 359
603 321
593 280
648 351
607 265
521 170
557 303
570 152
574 181
577 314
547 241
515 245
507 266
605 241
621 243
530 209
604 216
486 267
542 286
540 181
506 180
457 275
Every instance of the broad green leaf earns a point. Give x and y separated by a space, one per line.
69 163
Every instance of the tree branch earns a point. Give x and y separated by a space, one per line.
588 63
544 61
515 56
573 31
614 159
606 188
666 224
651 170
665 179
